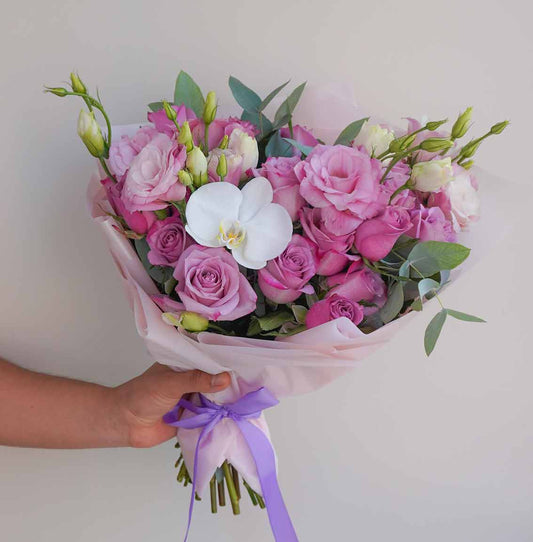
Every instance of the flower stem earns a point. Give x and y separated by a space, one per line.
221 493
251 493
235 476
213 492
231 489
106 169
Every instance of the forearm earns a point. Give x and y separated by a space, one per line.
45 411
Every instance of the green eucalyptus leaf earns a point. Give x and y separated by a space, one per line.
404 270
430 257
304 149
155 106
464 317
271 96
350 132
286 109
260 121
278 146
393 305
416 305
427 286
433 331
274 320
187 92
244 96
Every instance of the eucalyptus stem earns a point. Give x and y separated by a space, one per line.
231 489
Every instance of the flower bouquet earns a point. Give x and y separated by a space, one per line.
248 244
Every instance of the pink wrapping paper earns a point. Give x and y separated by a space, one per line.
288 366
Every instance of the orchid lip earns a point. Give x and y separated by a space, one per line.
231 233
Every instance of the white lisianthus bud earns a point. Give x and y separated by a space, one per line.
431 176
90 133
246 146
197 166
374 138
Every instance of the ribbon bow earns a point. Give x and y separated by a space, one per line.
248 407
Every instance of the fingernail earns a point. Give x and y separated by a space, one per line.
218 380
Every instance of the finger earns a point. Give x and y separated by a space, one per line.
198 381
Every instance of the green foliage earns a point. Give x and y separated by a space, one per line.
350 132
304 149
433 331
394 303
464 317
286 109
269 322
278 146
187 92
271 96
158 273
155 106
244 95
429 257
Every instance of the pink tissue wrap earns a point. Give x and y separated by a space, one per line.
287 366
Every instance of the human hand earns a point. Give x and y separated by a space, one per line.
143 401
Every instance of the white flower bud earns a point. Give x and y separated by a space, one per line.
90 133
431 176
246 146
374 138
197 166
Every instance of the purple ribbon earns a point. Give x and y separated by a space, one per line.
248 407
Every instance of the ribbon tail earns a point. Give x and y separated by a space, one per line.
265 461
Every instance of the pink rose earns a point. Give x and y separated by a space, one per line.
430 224
333 307
332 249
346 182
218 129
152 180
360 285
210 283
139 222
122 152
375 238
164 125
280 172
300 134
167 240
286 277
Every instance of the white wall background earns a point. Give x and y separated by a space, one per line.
409 449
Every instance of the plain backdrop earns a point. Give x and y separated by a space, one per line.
404 448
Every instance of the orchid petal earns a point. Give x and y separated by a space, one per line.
240 258
267 234
255 195
207 207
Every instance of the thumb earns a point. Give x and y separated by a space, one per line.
198 381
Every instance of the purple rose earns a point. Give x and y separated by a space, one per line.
430 224
218 129
152 180
375 238
331 308
167 240
138 221
345 181
360 285
332 249
280 172
164 125
210 283
300 134
286 277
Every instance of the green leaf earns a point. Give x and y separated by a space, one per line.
244 96
350 132
286 109
433 331
430 257
155 106
187 92
304 149
258 119
271 96
404 270
427 286
158 273
300 312
463 316
274 320
417 305
393 305
277 146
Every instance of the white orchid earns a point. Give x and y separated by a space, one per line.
245 221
